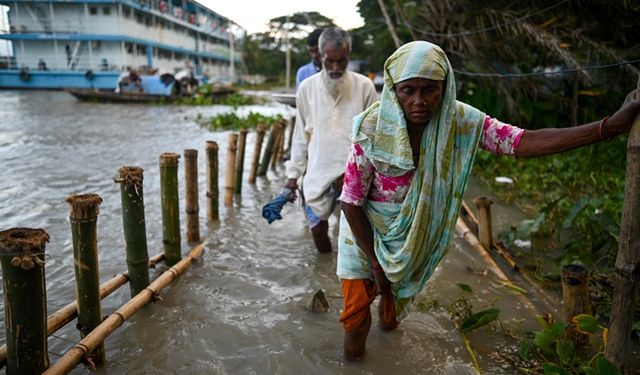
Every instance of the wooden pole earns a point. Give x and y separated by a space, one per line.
22 258
83 215
256 153
291 129
211 148
390 26
242 142
134 224
170 207
279 157
485 229
192 208
627 276
69 312
268 150
232 147
72 357
279 132
575 296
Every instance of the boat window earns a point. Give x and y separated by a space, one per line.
106 11
93 11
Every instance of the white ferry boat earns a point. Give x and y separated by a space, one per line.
90 43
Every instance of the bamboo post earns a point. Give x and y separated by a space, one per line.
627 276
575 296
69 312
192 208
242 142
170 207
211 148
485 230
291 129
275 156
134 224
231 165
22 257
280 154
72 357
268 150
256 154
83 215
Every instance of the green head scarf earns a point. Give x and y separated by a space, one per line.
411 238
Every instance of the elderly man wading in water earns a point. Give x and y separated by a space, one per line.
326 104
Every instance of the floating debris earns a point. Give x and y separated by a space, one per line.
319 302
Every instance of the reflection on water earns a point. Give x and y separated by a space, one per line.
241 310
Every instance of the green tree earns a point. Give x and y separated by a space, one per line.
506 37
264 53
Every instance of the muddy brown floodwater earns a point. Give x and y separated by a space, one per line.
242 309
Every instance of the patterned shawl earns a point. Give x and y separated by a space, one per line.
411 238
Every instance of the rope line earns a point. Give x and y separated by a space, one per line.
531 74
480 31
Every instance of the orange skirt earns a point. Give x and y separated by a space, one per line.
358 295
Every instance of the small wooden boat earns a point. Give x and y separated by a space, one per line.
92 95
289 99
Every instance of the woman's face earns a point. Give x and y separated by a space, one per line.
419 99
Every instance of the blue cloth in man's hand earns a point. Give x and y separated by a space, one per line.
271 210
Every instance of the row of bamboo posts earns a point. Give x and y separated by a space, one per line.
22 255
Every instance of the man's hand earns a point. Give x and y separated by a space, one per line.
292 184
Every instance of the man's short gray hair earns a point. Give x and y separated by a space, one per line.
334 37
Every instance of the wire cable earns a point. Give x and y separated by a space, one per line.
542 73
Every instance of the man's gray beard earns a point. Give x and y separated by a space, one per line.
336 86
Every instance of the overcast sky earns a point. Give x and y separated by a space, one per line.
253 15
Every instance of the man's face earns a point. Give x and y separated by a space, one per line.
335 61
314 52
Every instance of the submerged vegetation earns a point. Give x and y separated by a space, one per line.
231 121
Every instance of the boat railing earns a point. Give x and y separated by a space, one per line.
8 62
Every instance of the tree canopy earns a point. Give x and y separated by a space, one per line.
503 37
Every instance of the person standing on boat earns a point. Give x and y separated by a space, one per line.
326 104
408 168
315 65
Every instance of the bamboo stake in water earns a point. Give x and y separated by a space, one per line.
256 154
72 357
485 230
230 169
211 148
627 276
170 207
191 186
291 129
22 257
66 314
134 224
83 215
277 147
283 135
242 141
268 150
